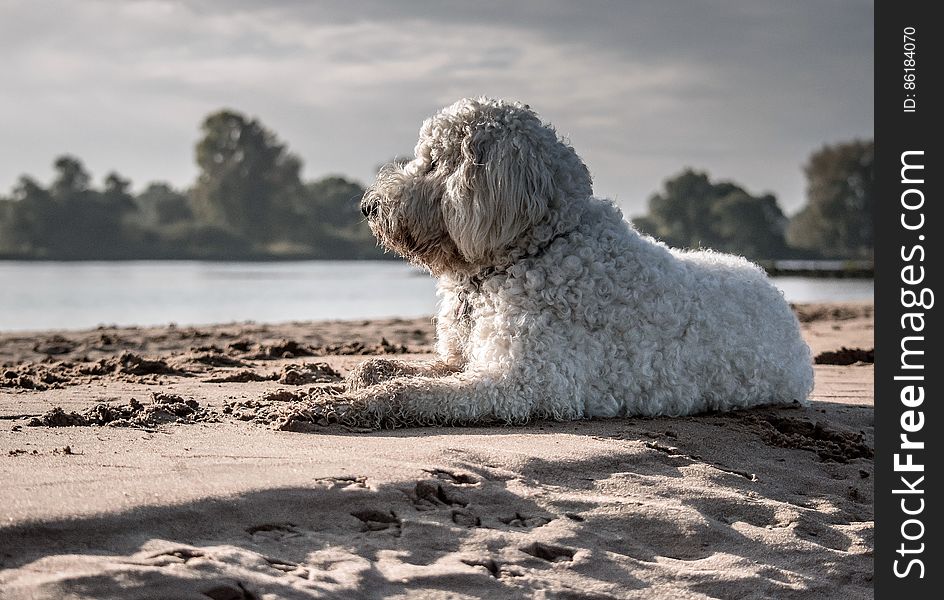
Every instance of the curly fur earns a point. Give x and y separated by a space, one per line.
551 304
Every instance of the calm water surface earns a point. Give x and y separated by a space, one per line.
55 295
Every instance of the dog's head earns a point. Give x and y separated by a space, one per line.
488 178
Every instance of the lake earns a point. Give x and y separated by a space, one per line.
78 295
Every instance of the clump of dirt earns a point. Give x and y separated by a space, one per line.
191 333
291 349
283 396
56 375
129 363
54 345
790 432
281 349
100 368
199 360
845 356
163 408
106 341
244 376
58 418
21 452
241 345
211 349
361 348
34 377
214 359
302 374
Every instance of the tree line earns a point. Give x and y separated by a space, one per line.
691 211
250 202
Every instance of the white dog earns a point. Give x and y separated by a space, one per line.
552 305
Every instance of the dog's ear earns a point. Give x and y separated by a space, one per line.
501 187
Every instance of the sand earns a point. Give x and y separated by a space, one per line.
168 463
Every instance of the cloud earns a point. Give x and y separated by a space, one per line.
745 89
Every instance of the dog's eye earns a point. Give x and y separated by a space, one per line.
432 166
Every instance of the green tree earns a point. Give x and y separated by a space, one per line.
249 181
248 202
837 219
693 212
749 225
335 200
29 221
116 196
334 223
90 223
71 179
9 242
161 205
70 219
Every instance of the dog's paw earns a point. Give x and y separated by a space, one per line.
321 411
374 371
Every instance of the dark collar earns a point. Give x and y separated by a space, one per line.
475 281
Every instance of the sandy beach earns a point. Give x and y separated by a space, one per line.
177 462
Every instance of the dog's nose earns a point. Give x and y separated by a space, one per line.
368 208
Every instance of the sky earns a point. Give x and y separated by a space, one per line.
742 89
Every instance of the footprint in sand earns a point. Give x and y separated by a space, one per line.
525 521
378 520
488 564
548 552
430 495
456 478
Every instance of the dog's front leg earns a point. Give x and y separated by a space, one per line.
456 399
377 370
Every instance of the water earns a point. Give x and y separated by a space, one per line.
64 295
51 295
821 289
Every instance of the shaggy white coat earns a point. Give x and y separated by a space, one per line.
551 304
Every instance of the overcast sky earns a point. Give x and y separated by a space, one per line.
744 89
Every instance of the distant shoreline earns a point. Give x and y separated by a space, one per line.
836 269
240 259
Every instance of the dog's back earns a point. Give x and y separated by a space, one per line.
671 332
